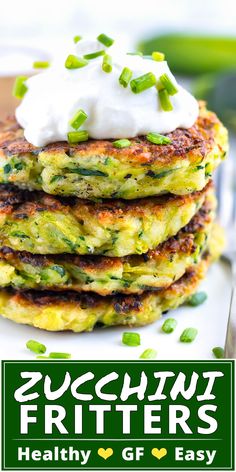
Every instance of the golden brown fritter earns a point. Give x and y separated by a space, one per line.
96 169
45 224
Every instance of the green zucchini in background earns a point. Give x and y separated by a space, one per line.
192 54
220 93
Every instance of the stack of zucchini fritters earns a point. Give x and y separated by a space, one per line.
91 234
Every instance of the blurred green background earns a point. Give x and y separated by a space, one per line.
210 62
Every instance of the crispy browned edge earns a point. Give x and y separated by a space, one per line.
183 243
121 303
197 140
20 204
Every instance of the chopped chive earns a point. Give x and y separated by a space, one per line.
41 64
168 84
137 53
20 88
76 39
125 77
107 63
169 325
42 357
158 138
78 119
59 355
93 55
131 339
148 354
188 335
165 102
104 39
75 137
218 352
197 299
122 143
36 347
74 62
143 82
158 56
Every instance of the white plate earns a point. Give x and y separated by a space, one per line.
210 319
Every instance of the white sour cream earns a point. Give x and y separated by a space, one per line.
113 111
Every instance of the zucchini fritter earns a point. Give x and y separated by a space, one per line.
64 311
96 169
43 224
155 270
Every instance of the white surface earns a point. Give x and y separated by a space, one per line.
210 319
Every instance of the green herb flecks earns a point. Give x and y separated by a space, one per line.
188 335
125 77
36 347
77 38
94 55
169 325
78 119
167 84
75 137
122 143
88 172
107 64
41 64
59 355
218 352
197 299
156 138
158 56
148 354
105 40
20 88
164 98
74 62
131 339
143 82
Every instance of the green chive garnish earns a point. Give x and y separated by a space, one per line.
148 354
36 347
137 53
188 335
59 355
165 102
218 352
125 77
107 63
143 82
41 64
78 119
104 39
75 137
197 299
158 138
169 325
74 62
158 56
168 85
131 339
122 143
76 39
93 55
20 88
42 357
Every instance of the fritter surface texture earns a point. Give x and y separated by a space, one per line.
96 169
43 224
154 270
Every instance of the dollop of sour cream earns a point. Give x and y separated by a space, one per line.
55 95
